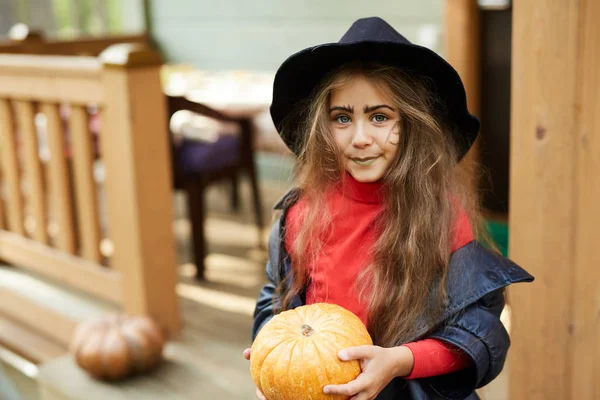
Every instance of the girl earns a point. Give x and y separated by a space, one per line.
382 221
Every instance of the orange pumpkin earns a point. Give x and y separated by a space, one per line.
295 354
116 346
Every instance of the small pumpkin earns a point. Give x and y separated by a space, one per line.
116 346
295 354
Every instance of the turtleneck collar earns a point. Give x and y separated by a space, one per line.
363 192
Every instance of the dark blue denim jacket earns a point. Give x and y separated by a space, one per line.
471 321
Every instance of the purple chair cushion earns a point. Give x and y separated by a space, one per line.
196 157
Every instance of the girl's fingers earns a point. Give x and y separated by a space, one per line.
259 395
246 354
356 353
349 389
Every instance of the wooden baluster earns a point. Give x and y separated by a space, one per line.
59 179
135 149
25 114
2 217
85 185
10 164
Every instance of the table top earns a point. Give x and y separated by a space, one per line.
234 93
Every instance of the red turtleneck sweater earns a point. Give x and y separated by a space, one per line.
347 250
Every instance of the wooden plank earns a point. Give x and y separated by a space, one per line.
21 371
553 199
26 343
48 393
10 165
50 89
62 379
51 78
138 185
541 201
33 169
9 47
2 217
60 187
62 267
585 332
57 297
85 185
50 323
50 66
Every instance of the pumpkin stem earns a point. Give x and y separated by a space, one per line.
307 330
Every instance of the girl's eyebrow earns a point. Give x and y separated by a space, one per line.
369 109
349 109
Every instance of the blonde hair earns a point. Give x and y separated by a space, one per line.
404 287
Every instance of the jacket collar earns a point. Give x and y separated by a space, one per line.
288 199
475 271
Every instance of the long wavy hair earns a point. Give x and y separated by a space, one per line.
425 187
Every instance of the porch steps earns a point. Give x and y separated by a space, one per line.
26 343
38 317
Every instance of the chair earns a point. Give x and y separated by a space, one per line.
197 164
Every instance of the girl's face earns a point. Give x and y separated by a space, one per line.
364 123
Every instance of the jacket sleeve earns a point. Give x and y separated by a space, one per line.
268 299
478 331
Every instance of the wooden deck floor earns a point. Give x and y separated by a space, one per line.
205 362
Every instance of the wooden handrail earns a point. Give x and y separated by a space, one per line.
51 78
56 66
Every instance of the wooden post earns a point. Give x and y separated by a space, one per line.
555 198
135 149
463 42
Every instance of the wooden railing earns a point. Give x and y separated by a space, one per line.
50 218
22 40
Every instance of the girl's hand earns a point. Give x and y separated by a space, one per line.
379 366
259 395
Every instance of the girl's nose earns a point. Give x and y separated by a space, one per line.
361 138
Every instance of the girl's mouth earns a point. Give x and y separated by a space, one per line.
364 162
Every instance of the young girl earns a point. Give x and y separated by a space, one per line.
382 221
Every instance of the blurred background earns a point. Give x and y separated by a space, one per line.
139 169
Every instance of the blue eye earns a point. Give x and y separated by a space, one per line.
342 119
379 118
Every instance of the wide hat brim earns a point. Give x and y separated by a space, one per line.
302 72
